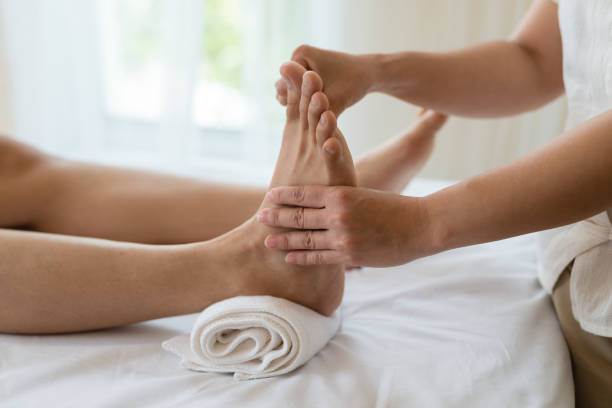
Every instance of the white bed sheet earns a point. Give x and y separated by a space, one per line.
467 328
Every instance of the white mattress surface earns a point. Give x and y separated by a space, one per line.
466 328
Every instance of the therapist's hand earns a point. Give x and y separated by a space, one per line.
348 225
347 78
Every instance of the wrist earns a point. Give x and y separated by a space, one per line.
396 74
376 65
420 233
438 231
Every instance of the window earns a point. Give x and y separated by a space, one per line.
129 81
185 64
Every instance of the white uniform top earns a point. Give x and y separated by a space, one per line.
586 30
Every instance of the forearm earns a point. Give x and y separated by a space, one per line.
493 79
53 283
565 181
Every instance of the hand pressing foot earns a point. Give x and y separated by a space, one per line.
391 166
313 151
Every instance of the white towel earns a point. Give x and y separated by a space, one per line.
253 337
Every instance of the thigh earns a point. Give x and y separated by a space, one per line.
591 354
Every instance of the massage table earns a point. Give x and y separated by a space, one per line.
471 327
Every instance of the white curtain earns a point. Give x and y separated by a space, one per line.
57 53
56 81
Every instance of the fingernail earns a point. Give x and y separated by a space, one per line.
262 216
271 195
290 258
323 120
270 242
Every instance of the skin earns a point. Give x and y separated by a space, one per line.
492 79
49 194
96 283
565 181
52 283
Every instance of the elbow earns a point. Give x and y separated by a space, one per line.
544 71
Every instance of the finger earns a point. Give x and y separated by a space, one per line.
293 240
303 196
314 257
350 268
297 218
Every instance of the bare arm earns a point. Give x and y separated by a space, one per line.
492 79
563 182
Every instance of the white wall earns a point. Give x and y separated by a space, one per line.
5 111
465 147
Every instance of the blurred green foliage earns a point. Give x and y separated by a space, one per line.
139 31
222 45
222 52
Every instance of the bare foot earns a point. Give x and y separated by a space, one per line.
313 151
395 163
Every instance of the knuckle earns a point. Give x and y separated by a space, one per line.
275 216
298 194
317 258
301 258
342 195
308 240
284 242
298 218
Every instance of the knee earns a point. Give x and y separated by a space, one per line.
17 159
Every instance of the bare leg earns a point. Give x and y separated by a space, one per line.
53 283
65 197
391 166
48 194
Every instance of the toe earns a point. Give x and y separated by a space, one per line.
429 122
292 73
336 163
318 104
311 83
326 127
281 91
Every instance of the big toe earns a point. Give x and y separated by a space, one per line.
339 167
292 73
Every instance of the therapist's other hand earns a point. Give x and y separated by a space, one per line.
347 78
347 225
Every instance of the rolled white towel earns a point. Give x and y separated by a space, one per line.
253 337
